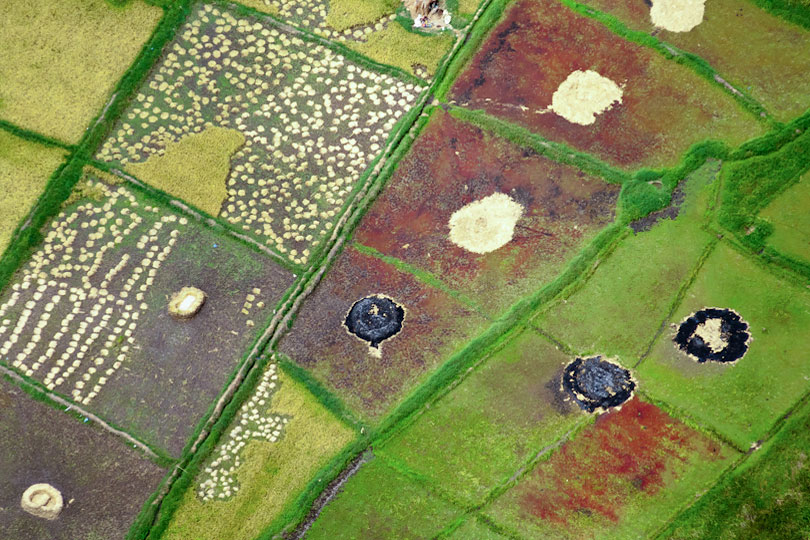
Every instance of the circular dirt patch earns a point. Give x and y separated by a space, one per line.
677 15
486 224
715 334
186 303
375 319
595 383
583 95
42 500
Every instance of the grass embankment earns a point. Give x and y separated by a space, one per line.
24 170
62 59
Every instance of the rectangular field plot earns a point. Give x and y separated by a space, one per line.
762 54
490 219
24 170
741 400
491 424
102 480
88 315
618 310
642 109
62 59
379 502
623 477
288 125
791 220
277 442
368 27
371 379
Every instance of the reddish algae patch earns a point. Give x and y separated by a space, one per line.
665 107
453 164
634 451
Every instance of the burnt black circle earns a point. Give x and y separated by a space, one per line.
733 330
594 383
374 319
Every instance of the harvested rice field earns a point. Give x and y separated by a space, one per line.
520 75
454 269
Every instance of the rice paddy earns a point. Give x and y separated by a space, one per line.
316 269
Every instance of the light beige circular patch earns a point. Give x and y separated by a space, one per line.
486 224
185 303
583 95
677 15
42 500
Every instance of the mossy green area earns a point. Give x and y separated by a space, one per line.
272 474
741 401
790 218
195 168
508 410
25 167
344 14
618 310
62 59
474 527
381 502
767 497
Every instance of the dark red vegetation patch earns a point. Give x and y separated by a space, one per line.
453 164
371 379
665 108
635 450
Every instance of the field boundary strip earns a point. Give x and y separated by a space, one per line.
34 137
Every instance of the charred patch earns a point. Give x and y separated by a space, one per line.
594 383
374 319
713 334
670 212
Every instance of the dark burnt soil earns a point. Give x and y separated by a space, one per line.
670 212
634 451
541 42
594 383
103 481
733 328
435 326
375 319
453 164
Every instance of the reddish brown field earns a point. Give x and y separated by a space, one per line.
611 471
453 164
435 325
665 109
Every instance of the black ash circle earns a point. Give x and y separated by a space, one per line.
595 383
729 328
374 319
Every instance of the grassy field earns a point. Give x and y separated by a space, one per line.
633 288
24 170
789 217
272 474
63 59
507 410
740 401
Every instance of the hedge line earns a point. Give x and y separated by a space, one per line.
33 136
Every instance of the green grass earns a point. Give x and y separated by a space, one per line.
741 401
789 216
767 497
381 502
507 410
618 310
24 171
344 14
474 528
194 169
272 474
62 59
